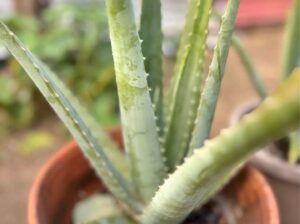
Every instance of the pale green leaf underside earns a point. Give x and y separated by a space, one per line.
137 115
57 98
205 172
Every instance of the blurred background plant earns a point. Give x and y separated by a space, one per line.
73 39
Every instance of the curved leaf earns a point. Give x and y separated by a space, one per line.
205 172
57 96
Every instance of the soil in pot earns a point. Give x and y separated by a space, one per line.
210 213
67 178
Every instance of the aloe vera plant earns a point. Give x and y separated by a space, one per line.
168 168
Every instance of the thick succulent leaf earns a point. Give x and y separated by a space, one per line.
111 149
57 96
151 35
210 93
291 58
113 220
185 89
96 207
205 172
252 71
250 68
294 148
137 114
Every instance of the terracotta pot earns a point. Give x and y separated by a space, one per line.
67 178
283 178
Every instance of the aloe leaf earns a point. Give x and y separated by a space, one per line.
250 68
245 58
151 35
252 71
137 115
185 89
291 52
96 207
291 60
210 93
112 220
205 172
294 148
57 96
114 154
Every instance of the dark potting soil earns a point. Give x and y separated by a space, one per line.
280 149
210 213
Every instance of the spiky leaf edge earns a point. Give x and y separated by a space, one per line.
210 93
137 115
151 35
71 118
204 173
187 81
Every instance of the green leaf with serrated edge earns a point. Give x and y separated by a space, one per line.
211 89
137 115
291 51
112 151
185 89
151 35
199 176
70 116
252 71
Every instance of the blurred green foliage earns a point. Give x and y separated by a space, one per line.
35 141
74 41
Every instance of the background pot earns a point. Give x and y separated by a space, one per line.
67 178
283 178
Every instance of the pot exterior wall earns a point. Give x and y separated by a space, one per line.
285 182
67 178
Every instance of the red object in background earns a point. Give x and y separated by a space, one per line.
262 12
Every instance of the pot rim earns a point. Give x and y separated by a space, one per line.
271 164
34 208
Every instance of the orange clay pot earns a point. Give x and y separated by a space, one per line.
67 178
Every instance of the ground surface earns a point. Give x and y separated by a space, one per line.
17 172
